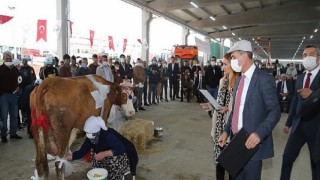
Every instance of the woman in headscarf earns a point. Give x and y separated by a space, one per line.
110 150
220 117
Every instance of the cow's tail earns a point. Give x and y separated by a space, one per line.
40 134
41 160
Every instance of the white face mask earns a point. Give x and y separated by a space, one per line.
235 66
105 63
117 68
122 60
213 64
8 64
310 62
84 65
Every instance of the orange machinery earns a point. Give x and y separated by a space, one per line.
186 53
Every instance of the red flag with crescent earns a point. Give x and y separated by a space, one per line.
4 19
111 45
91 37
125 44
42 30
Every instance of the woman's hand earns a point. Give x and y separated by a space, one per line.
223 109
205 106
69 156
101 155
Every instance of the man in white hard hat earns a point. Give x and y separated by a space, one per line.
255 108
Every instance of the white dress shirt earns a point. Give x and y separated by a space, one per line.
284 84
314 73
247 81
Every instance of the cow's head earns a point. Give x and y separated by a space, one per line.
125 98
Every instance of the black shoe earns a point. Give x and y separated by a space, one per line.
136 110
166 100
142 108
173 99
20 127
155 103
16 136
178 97
4 139
147 104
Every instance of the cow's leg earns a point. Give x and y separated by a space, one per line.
73 137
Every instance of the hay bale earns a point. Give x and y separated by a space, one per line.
139 132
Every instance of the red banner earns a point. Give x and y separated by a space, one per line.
125 44
42 30
70 26
111 45
4 19
91 37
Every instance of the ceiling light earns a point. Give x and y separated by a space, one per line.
213 19
311 36
304 37
252 39
194 4
233 34
256 42
316 30
258 45
224 27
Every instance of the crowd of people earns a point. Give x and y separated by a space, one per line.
271 88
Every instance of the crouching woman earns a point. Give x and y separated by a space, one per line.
110 150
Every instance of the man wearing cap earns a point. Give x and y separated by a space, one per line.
255 108
48 70
8 97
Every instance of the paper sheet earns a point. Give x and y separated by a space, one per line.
212 101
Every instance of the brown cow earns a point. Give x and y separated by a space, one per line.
60 107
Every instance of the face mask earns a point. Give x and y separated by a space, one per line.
235 66
84 65
8 64
153 62
105 63
197 64
159 64
117 68
93 137
213 64
310 62
122 60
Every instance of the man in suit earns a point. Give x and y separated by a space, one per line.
173 73
255 108
125 68
303 130
104 70
285 92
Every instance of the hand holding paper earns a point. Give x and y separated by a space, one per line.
212 101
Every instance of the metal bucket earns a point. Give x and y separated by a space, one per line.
158 132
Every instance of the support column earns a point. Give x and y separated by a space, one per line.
146 19
206 56
63 15
185 35
221 48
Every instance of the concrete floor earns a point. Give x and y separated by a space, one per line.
187 154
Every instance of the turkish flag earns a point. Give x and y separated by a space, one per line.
91 37
125 44
70 26
4 19
42 30
111 45
139 40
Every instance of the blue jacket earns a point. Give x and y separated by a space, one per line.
261 111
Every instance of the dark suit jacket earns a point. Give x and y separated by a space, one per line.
289 84
295 113
126 71
261 111
173 74
212 76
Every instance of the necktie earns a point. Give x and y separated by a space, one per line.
307 83
236 109
282 87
